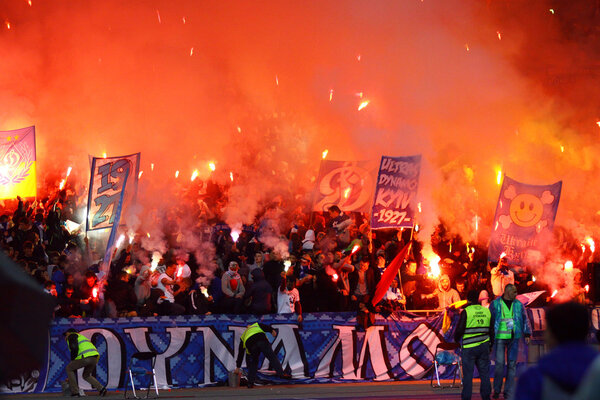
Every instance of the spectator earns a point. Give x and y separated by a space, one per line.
90 302
233 290
166 284
120 297
340 222
445 294
501 276
559 373
259 294
258 263
69 304
272 269
288 297
362 283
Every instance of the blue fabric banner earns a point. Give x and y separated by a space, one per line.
195 351
523 222
396 192
107 184
200 350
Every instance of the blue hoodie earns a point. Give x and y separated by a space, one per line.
565 365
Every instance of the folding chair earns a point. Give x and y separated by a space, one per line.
446 354
136 370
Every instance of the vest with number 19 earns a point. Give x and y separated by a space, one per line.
477 327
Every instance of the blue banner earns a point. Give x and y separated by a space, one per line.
107 184
396 192
523 222
195 351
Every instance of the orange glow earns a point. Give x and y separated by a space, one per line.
554 293
29 2
363 105
355 249
62 184
347 193
179 272
95 292
151 166
69 171
325 152
104 155
467 47
194 175
434 263
177 174
276 80
191 51
7 25
235 235
498 176
148 234
140 174
158 16
335 277
330 95
120 240
499 35
212 166
598 123
231 176
587 288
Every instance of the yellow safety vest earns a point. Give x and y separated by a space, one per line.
478 326
85 347
507 325
251 331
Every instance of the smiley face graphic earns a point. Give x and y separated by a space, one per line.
526 210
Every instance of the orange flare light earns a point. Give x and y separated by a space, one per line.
231 176
591 243
330 95
434 266
587 288
7 25
140 174
104 155
95 292
62 184
179 272
194 175
69 171
355 249
363 105
324 153
177 174
569 266
235 235
347 193
335 277
498 176
554 293
212 166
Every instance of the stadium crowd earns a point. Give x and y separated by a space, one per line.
329 261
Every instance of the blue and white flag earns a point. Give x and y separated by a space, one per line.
523 222
396 192
107 189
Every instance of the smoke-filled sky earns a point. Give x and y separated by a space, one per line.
473 86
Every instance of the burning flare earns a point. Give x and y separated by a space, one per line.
325 153
363 105
212 166
434 266
194 175
235 235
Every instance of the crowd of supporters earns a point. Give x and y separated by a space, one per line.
289 261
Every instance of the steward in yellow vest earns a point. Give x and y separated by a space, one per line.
476 332
253 342
83 355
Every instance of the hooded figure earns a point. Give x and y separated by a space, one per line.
309 240
445 294
260 294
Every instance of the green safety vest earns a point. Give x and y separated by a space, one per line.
477 330
507 325
251 331
86 348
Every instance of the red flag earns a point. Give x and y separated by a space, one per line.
389 275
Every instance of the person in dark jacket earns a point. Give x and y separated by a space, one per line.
260 294
122 295
559 372
476 332
253 342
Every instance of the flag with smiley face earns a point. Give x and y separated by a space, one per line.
523 222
